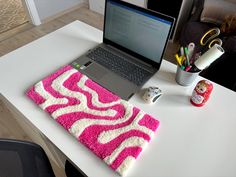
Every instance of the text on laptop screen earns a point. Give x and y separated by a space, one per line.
137 31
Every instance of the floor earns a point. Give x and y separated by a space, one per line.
20 37
12 14
19 29
23 35
28 33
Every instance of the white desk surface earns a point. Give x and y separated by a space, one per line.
190 141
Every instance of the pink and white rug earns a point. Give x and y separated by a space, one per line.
112 128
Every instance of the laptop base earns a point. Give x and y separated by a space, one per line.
104 77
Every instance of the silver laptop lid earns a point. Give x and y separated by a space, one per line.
137 31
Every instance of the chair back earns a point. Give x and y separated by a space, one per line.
23 159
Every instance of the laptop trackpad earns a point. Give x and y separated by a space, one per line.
95 71
110 80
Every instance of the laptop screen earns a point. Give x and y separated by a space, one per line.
139 30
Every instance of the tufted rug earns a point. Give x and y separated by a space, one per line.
110 127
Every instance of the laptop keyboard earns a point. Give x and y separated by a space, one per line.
119 65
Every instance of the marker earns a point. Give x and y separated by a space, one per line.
178 59
181 51
188 68
183 60
191 48
187 57
195 57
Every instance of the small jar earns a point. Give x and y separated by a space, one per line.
201 93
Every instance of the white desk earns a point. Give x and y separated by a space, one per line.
190 141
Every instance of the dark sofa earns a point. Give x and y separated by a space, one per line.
223 70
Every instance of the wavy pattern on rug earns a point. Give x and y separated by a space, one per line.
112 128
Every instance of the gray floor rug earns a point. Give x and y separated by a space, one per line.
12 14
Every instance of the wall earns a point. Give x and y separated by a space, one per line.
48 8
99 5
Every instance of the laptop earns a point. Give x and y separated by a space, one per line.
134 41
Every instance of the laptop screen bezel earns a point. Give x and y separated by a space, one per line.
132 53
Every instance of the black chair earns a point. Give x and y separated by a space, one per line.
23 159
72 171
